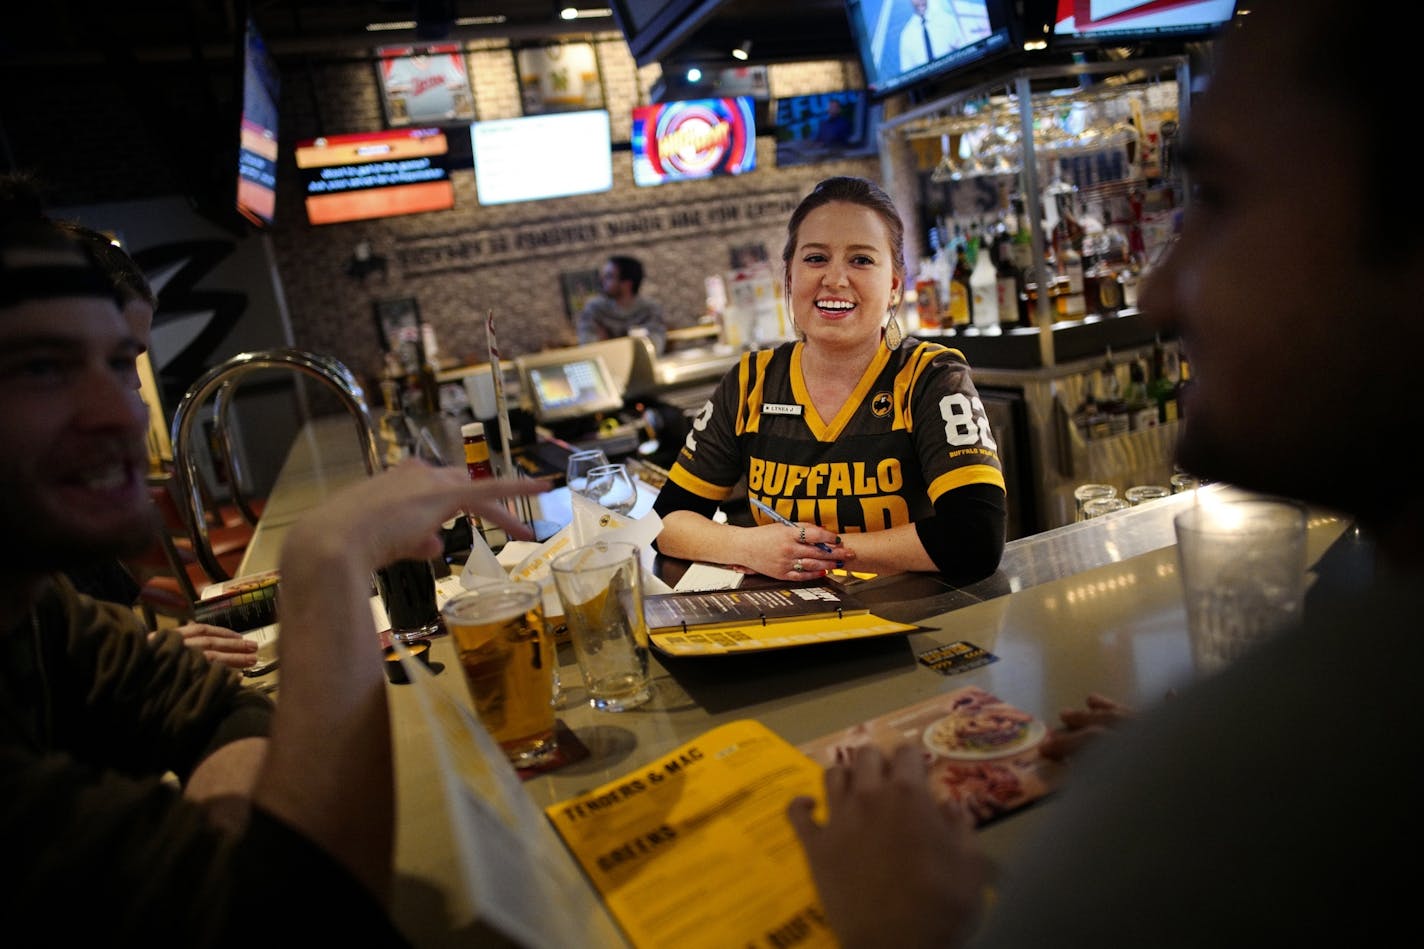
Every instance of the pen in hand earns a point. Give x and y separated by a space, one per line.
771 513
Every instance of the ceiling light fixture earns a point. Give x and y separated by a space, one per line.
744 51
392 25
574 13
694 74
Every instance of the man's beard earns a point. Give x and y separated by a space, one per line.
39 549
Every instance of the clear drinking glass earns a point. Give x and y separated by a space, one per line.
579 464
612 486
1097 507
1141 493
1088 492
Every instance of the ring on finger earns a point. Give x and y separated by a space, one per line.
796 567
803 535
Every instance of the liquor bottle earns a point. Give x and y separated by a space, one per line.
1141 410
1128 279
927 299
477 460
1161 386
983 287
1022 257
1088 417
1071 304
1110 396
1007 285
1067 232
1184 378
959 291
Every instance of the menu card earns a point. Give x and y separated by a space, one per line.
715 622
694 849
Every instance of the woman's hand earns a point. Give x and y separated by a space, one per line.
791 552
218 644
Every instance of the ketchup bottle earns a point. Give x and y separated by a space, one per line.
477 459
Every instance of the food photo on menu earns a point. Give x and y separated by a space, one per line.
982 751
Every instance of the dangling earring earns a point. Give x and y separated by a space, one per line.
894 336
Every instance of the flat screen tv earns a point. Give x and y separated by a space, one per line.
825 126
901 48
375 174
564 389
257 145
1095 23
693 138
542 156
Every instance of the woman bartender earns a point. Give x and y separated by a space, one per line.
879 453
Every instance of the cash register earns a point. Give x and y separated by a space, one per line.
576 398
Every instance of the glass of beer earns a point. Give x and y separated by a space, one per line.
507 655
601 589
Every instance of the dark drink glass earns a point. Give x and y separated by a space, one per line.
407 589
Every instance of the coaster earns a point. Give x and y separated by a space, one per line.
956 658
569 750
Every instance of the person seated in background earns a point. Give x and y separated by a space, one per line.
620 310
294 830
875 445
113 580
1275 801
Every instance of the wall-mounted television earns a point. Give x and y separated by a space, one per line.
257 145
542 156
1095 23
375 174
693 138
901 47
825 126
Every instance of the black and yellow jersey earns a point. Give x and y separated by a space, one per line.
913 429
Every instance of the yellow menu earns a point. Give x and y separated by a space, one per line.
694 849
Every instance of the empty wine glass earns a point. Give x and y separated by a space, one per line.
612 487
579 464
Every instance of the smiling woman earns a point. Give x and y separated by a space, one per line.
852 429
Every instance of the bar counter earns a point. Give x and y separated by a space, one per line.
1086 607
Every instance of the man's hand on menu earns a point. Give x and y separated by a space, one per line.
219 644
893 866
1082 726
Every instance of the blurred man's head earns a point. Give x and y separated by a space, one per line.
73 426
622 277
1296 307
139 300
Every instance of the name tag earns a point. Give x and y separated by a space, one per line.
776 408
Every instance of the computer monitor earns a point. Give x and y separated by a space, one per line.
563 388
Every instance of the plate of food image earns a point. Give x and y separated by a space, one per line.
977 732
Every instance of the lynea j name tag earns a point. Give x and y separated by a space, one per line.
779 408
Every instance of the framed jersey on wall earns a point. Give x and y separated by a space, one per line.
424 85
559 77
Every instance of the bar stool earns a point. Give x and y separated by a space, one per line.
170 577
